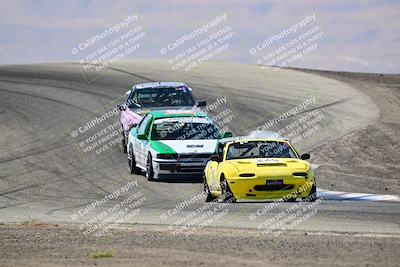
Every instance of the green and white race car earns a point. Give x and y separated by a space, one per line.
172 143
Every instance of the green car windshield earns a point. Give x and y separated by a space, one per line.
184 129
260 149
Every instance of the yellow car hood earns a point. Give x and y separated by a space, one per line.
266 165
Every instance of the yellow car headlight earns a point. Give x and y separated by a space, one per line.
247 175
301 174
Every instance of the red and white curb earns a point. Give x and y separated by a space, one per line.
337 195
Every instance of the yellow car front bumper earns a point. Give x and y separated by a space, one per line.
259 188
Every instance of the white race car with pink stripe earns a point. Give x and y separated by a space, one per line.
146 97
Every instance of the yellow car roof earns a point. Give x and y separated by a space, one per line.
255 136
254 140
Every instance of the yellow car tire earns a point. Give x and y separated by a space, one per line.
226 193
312 197
209 196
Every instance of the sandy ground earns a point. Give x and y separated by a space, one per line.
366 160
35 244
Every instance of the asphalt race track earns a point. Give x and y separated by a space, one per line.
45 176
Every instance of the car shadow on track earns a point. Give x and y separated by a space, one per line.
191 180
171 178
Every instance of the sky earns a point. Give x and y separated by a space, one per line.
360 36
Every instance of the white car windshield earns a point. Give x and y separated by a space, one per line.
161 97
260 149
184 129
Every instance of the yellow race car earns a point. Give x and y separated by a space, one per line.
259 168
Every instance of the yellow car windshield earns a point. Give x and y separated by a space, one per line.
260 149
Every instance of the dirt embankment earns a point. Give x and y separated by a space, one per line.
366 160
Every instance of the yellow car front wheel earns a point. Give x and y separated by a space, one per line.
312 197
209 196
226 193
